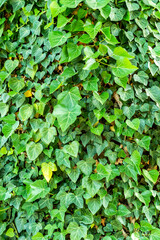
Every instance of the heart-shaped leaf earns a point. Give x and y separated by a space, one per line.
32 71
144 142
72 149
16 84
10 65
129 111
123 68
121 81
3 76
25 112
101 98
152 175
120 53
10 232
47 169
37 189
77 232
97 4
134 124
154 93
93 30
94 205
57 38
48 134
66 115
33 150
56 9
38 236
70 3
97 130
136 160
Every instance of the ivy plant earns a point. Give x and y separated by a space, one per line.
79 119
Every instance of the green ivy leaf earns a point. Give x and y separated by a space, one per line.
24 32
70 3
10 232
93 30
56 9
33 150
94 205
101 98
91 64
3 109
91 85
154 94
152 175
155 234
9 129
74 175
136 160
57 38
134 124
111 39
25 112
66 115
129 111
48 134
130 171
144 142
62 21
2 193
102 172
77 232
17 4
3 76
38 236
72 149
36 190
110 118
144 197
32 71
97 130
119 53
123 68
16 84
111 210
122 210
86 166
70 97
117 14
2 2
96 4
10 65
121 81
91 186
105 11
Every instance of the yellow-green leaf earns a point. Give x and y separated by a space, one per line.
47 169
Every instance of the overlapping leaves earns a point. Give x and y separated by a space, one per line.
79 119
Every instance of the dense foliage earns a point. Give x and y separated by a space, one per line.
80 117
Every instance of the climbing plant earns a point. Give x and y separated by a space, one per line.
79 119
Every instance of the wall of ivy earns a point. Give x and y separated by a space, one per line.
79 119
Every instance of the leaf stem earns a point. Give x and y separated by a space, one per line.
4 209
15 230
42 13
51 194
23 24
